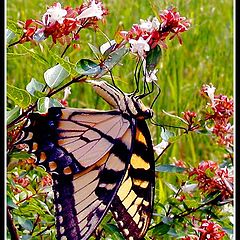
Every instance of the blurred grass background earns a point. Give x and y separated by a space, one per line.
206 56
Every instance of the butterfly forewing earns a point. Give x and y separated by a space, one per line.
132 206
68 140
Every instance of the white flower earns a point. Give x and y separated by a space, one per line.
67 92
155 23
160 147
148 25
189 187
95 10
152 76
139 46
210 92
145 25
54 14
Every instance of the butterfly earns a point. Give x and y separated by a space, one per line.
99 161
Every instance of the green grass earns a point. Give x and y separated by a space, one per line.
206 56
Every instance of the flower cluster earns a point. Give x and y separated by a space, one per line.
207 230
212 179
22 181
148 34
190 118
210 230
221 111
46 181
60 22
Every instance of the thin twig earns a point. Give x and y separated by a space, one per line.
47 228
11 227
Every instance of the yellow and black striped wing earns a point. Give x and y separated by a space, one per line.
133 204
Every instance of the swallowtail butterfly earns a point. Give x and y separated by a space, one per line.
99 161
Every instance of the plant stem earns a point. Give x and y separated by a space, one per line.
47 228
11 227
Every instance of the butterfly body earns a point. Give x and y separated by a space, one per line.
99 160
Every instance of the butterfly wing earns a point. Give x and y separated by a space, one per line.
68 141
82 200
86 176
133 203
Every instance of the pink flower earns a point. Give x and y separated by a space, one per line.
190 118
95 9
210 90
220 112
63 24
174 23
211 178
23 181
47 181
210 230
154 32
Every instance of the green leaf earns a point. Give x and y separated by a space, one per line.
20 155
9 35
169 168
45 103
212 196
112 60
34 86
167 220
95 50
68 66
34 207
26 237
34 54
153 58
43 206
20 96
10 203
161 229
191 203
13 114
26 224
172 187
113 231
55 75
87 67
12 26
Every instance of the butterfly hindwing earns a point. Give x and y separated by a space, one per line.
87 195
132 206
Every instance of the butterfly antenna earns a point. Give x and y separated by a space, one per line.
169 126
136 78
113 82
159 92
